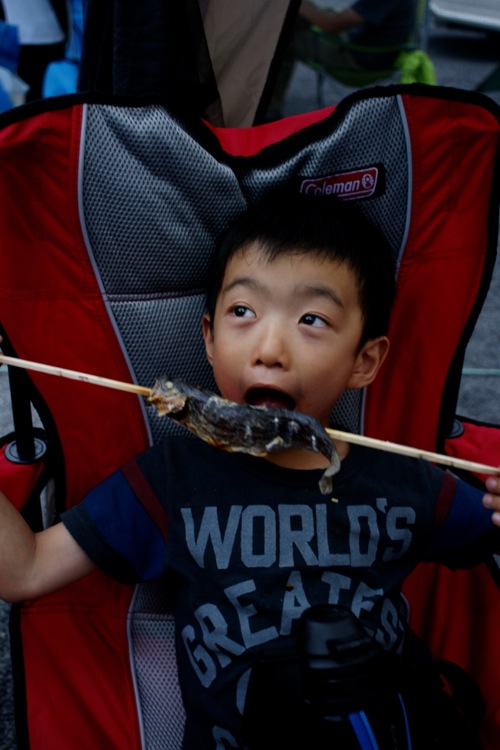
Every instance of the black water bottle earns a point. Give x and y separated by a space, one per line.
349 683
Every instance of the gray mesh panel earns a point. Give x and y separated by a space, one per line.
351 145
347 413
146 327
157 234
155 203
152 636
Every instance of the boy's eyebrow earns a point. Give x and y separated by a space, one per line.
303 290
319 290
245 281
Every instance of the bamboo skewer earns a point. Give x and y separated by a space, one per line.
348 437
118 385
407 450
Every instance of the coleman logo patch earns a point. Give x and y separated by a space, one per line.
361 183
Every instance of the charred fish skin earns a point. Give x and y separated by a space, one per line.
267 430
240 426
243 428
258 430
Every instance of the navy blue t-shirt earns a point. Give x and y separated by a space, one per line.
245 547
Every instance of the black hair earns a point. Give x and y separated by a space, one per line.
326 226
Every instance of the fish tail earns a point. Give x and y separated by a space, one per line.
325 483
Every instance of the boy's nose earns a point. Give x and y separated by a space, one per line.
271 348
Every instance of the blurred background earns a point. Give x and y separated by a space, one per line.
462 40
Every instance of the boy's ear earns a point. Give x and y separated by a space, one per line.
208 336
368 362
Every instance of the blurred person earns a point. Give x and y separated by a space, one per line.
368 23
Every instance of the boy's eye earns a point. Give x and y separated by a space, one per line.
242 311
310 319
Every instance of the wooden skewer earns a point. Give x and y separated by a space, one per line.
406 450
348 437
75 375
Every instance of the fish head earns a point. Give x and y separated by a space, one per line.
167 397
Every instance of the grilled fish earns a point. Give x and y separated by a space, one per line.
241 428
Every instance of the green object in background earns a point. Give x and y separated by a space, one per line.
416 67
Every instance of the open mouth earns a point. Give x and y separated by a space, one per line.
270 398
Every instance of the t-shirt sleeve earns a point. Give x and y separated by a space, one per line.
464 534
122 526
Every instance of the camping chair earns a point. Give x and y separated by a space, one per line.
103 264
411 64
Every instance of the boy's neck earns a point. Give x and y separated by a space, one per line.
294 458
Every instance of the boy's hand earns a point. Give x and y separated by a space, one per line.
492 498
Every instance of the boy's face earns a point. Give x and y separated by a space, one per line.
286 333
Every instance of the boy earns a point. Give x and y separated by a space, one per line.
297 311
